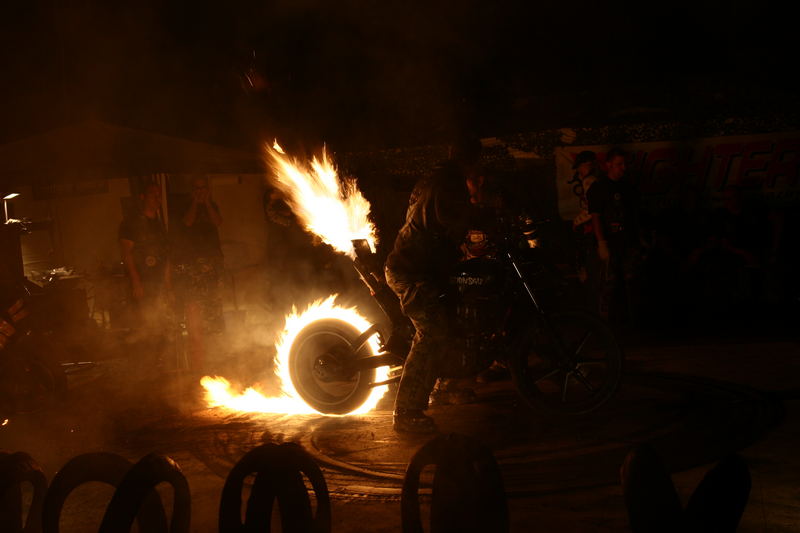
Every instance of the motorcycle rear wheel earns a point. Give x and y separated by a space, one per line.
574 368
318 361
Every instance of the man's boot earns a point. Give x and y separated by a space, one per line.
413 421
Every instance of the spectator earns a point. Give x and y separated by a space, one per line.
585 175
144 248
676 230
729 264
613 203
198 269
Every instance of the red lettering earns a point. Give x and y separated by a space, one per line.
752 163
659 169
634 165
727 152
636 160
785 163
695 172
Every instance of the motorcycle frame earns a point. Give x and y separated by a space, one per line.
367 265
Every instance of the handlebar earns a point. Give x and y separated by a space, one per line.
519 231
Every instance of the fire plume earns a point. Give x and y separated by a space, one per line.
336 211
327 206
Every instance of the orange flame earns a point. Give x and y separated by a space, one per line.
218 389
336 211
327 206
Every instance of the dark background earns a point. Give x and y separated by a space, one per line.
367 75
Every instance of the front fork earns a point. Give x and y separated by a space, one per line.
398 340
561 350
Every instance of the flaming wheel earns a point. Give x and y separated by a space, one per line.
572 367
321 365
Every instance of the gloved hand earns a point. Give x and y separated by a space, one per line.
602 250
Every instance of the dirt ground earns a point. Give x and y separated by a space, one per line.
694 401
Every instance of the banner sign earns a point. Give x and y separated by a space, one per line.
765 164
64 190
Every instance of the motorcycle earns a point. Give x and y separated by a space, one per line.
32 376
31 379
562 360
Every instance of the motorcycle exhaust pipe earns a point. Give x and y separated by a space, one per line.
371 272
369 269
366 264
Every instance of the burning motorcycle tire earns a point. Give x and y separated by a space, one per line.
573 367
321 367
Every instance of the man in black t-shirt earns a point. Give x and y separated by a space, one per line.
144 246
614 207
143 242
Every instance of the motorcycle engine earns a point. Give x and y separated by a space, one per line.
476 312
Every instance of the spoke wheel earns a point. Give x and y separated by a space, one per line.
318 365
573 369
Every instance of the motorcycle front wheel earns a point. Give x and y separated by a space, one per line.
320 362
574 366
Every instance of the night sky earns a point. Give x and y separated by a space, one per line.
365 75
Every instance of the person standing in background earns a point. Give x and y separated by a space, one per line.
614 207
198 268
144 248
585 175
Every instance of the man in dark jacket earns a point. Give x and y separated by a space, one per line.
426 249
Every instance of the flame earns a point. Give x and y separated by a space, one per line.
336 211
218 389
331 208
